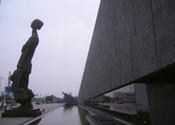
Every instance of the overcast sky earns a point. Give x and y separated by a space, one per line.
60 57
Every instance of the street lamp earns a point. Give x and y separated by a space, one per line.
1 78
4 88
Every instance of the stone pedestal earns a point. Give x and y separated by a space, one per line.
21 113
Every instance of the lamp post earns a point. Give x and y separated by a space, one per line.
4 89
0 81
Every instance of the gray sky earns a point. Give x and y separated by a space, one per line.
60 57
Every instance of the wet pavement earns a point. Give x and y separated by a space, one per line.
74 115
67 115
60 114
20 120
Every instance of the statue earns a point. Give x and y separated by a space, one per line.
20 77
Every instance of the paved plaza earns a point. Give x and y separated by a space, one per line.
18 121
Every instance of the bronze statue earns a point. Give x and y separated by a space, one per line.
20 77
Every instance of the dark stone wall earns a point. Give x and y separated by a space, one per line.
161 103
141 98
131 39
164 27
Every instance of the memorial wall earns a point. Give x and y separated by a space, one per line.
131 39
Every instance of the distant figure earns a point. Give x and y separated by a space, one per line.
20 77
43 110
2 105
9 106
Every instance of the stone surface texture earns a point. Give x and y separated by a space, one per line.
131 39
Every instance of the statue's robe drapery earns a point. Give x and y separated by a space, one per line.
28 50
20 77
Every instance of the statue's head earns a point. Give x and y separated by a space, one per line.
36 24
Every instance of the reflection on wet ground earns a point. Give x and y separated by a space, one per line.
76 115
66 115
35 122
